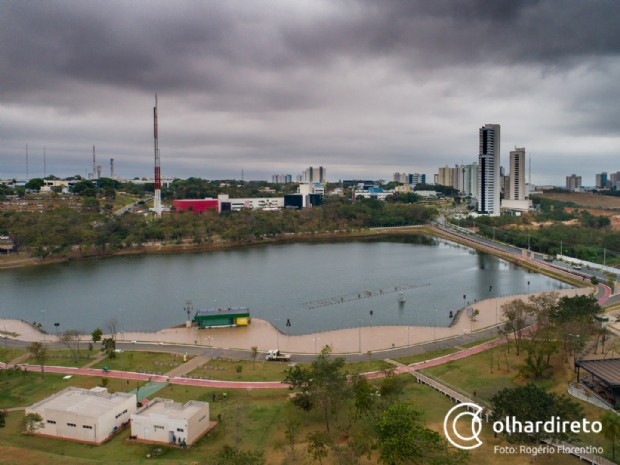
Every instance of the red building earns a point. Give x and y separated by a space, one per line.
196 206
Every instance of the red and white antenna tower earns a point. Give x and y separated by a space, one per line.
157 200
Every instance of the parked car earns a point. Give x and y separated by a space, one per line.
576 267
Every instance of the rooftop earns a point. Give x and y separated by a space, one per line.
92 403
607 371
171 409
223 311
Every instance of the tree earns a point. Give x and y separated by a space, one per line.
235 414
531 403
239 369
610 422
35 184
111 326
516 312
254 354
90 203
108 346
32 422
38 352
402 437
2 418
71 339
96 335
318 445
364 400
292 422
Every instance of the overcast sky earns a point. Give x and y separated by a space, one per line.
363 88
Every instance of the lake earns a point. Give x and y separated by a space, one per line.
277 282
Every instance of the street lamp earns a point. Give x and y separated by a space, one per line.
277 334
528 287
210 339
6 354
122 323
315 339
435 326
359 321
43 311
371 312
464 297
288 326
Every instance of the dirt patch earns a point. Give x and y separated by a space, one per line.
613 216
583 199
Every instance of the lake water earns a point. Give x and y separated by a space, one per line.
274 281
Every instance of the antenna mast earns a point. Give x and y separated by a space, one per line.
157 199
112 168
94 164
27 178
44 164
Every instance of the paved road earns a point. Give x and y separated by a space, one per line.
130 206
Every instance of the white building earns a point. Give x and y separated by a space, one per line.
400 177
488 170
516 184
315 174
83 415
573 183
161 420
262 203
281 178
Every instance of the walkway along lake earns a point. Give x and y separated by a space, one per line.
275 281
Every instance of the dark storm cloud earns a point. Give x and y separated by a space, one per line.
268 81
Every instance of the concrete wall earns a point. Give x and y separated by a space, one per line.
198 424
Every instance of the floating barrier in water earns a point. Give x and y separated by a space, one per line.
360 295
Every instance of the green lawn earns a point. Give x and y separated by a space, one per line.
272 371
478 342
264 431
8 355
144 361
65 358
409 359
32 388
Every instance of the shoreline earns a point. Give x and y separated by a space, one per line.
265 336
25 261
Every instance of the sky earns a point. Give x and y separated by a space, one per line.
362 88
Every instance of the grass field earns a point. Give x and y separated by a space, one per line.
264 431
272 371
135 360
583 199
64 358
473 373
8 355
409 359
478 342
32 388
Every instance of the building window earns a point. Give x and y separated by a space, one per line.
203 417
51 422
158 427
72 425
180 430
87 427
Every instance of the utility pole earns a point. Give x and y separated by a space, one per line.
604 256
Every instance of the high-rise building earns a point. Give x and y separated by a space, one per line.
601 180
281 178
506 187
299 178
416 178
400 177
573 182
517 175
469 179
488 169
315 174
444 177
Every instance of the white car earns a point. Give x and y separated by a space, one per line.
576 267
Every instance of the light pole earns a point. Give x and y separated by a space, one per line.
315 339
122 324
435 326
277 334
6 354
359 321
43 311
371 312
209 338
528 287
464 304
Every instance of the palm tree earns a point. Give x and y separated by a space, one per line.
611 429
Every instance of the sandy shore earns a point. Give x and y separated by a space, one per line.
265 336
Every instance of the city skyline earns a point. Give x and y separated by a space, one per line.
366 89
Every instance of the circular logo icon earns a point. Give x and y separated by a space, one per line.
449 426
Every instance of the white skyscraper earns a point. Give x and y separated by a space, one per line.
517 175
488 169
